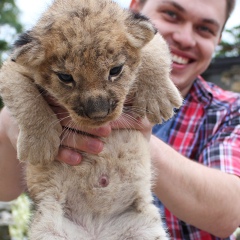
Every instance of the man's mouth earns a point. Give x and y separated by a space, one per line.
180 60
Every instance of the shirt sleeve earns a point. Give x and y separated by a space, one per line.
223 149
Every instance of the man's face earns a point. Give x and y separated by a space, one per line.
192 30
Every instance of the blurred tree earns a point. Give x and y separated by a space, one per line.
230 49
9 24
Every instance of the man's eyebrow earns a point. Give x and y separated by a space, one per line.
176 5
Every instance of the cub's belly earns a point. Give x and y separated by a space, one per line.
104 182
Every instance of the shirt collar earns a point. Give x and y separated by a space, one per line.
200 92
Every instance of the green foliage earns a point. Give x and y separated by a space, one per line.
9 27
237 234
9 24
9 14
230 49
21 215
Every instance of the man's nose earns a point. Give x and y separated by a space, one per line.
184 36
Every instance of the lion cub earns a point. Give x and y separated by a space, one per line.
92 57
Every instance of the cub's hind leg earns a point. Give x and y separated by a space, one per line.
48 222
138 225
58 227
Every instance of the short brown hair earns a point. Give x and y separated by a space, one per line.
230 7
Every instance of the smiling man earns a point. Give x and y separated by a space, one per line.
198 185
192 30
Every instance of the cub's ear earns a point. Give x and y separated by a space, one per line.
140 30
27 50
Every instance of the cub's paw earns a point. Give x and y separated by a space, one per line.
158 104
39 148
162 107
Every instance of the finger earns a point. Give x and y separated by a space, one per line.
81 142
69 156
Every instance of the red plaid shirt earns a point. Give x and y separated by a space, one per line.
206 129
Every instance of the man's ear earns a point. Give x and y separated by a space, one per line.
140 30
27 50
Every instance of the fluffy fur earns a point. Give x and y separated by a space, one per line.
98 61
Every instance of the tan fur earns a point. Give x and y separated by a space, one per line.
108 196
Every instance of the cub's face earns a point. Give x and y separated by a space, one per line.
92 95
91 83
88 67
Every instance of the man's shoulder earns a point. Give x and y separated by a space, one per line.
216 96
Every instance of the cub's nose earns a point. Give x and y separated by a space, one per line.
97 108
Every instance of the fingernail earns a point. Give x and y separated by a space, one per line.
75 158
69 156
94 146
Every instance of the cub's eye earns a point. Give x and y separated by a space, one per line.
66 78
114 72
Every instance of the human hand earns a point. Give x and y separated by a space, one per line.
73 143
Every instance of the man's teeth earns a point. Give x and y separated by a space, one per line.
179 60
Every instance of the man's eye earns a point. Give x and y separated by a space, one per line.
204 29
115 71
171 14
66 78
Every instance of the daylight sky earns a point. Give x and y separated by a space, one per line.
31 10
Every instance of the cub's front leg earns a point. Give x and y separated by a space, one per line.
156 95
39 136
